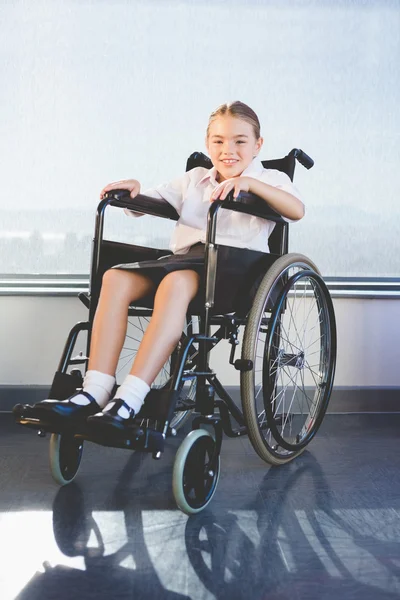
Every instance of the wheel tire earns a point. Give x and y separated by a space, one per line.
65 453
249 352
196 443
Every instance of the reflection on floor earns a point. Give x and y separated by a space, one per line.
326 526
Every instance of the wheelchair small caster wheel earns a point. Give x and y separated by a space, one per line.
194 481
65 455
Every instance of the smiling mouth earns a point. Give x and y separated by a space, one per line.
229 161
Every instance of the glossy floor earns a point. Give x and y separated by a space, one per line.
326 526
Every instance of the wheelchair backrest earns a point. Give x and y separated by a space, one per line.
279 239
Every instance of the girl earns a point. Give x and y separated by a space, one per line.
233 142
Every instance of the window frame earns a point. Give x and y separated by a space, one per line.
73 284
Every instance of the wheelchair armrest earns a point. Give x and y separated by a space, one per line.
245 203
252 205
142 204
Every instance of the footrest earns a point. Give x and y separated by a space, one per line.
159 405
136 438
29 416
185 404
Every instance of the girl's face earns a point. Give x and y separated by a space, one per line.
232 145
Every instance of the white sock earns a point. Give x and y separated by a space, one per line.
97 384
133 391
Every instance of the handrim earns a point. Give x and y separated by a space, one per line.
259 325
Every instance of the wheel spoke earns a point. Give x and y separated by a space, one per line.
136 328
286 375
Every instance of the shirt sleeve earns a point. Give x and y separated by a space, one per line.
172 192
283 182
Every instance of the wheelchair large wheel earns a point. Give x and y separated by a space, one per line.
290 337
65 453
137 325
194 479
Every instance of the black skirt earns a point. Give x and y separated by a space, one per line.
239 272
158 268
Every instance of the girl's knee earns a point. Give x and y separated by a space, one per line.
185 282
125 283
114 277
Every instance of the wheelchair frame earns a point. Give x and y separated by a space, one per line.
207 380
161 403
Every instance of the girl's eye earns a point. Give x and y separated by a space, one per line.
238 142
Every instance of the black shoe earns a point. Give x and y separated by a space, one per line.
65 409
110 421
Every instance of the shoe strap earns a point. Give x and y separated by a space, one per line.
118 403
83 393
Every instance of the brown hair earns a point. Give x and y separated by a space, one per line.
240 111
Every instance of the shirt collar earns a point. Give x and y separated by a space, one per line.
254 169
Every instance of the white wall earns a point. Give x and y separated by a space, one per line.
33 331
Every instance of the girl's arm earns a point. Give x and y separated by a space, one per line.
172 191
283 202
132 185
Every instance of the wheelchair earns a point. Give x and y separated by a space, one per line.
287 362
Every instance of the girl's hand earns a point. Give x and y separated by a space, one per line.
131 185
237 184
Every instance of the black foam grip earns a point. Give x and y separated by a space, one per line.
304 159
144 204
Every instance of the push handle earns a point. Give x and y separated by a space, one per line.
303 158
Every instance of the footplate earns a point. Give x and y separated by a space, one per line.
135 438
27 415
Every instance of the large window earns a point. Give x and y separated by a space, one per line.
99 91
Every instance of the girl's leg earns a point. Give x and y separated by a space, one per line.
118 290
172 299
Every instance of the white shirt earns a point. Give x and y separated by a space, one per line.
190 196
